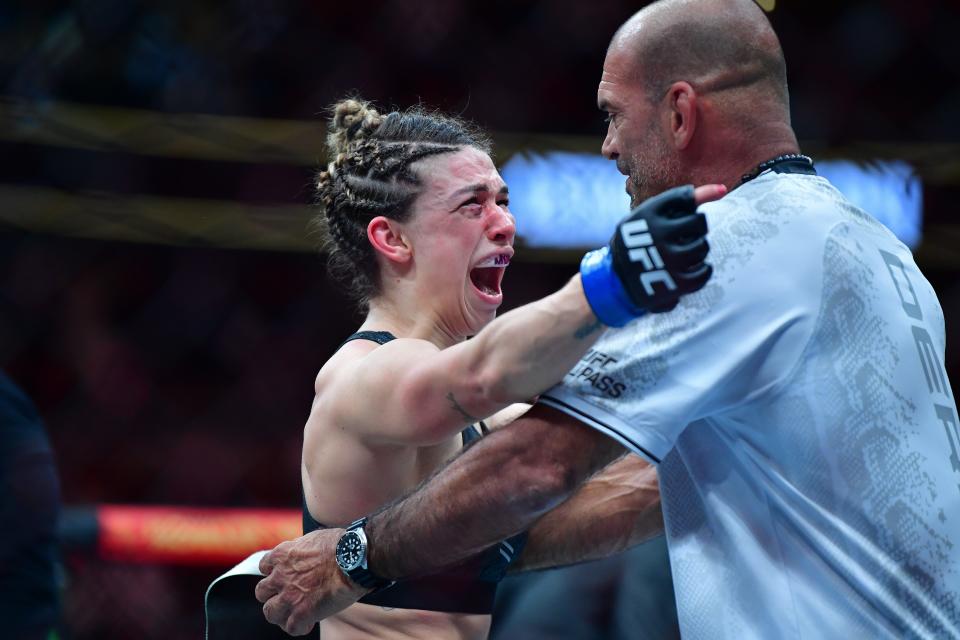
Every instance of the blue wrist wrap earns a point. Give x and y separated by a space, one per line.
604 291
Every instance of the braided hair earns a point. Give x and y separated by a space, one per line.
371 174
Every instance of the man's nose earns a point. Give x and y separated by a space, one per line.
609 147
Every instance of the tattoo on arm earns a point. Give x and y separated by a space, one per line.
587 329
459 409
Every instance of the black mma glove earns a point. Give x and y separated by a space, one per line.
655 256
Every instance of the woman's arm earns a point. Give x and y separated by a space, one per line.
410 392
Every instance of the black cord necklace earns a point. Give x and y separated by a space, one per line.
787 163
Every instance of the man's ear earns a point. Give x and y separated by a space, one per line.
388 240
682 102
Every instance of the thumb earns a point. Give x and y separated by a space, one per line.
709 193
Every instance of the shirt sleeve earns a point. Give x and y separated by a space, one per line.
723 346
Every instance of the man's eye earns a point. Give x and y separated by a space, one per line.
473 200
503 203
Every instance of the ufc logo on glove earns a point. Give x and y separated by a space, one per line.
636 237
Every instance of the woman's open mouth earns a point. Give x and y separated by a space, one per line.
488 274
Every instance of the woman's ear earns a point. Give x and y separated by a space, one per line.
682 102
387 239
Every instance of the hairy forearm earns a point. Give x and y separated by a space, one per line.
529 349
497 488
618 508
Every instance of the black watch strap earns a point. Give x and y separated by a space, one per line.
362 575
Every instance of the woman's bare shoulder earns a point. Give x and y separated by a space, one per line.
360 357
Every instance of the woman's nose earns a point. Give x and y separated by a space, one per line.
502 226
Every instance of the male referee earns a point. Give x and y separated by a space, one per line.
29 508
797 409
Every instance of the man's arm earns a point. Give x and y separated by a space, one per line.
616 509
496 488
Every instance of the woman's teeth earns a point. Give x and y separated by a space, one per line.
500 260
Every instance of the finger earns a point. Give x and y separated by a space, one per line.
298 625
685 229
666 306
275 611
266 589
671 203
690 253
709 193
266 563
695 280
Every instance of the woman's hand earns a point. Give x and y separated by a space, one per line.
656 255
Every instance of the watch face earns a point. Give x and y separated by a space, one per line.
350 551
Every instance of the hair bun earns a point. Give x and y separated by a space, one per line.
352 118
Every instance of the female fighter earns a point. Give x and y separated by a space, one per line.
417 223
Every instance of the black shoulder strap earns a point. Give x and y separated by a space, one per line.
380 337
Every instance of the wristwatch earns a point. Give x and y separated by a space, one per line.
352 557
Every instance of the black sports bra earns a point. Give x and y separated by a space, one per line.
469 587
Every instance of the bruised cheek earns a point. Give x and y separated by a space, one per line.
450 255
459 235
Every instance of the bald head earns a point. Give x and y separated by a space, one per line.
716 45
695 92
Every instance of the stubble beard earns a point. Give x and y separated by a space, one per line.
653 171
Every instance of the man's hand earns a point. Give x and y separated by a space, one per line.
303 583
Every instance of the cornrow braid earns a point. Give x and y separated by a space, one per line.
371 175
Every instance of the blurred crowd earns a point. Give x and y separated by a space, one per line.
861 70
